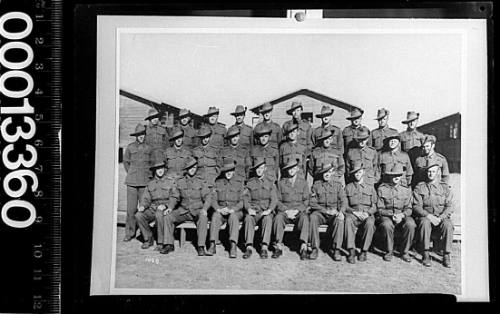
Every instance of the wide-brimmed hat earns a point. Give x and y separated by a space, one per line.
323 135
325 111
258 161
139 130
229 164
430 166
355 113
429 138
232 131
293 106
290 163
381 113
324 168
410 116
239 110
289 127
176 133
204 131
266 107
184 113
212 111
156 165
262 129
190 163
356 166
361 133
153 113
396 170
393 136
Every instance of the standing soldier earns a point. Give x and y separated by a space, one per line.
291 149
393 155
293 205
227 202
190 140
276 134
305 130
260 200
429 157
324 154
136 160
246 131
383 131
433 207
362 206
217 128
160 194
394 209
337 141
412 139
264 149
365 154
349 131
175 156
195 201
328 204
156 134
208 156
240 154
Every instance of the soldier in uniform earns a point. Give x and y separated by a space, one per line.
156 134
393 155
325 154
394 209
291 149
136 160
160 194
293 205
377 136
337 140
305 130
238 153
190 139
260 200
265 149
365 154
208 157
430 156
433 207
217 128
175 156
195 201
276 134
246 138
360 210
349 131
412 139
328 204
227 202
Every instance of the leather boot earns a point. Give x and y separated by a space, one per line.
351 259
201 251
211 250
406 257
314 254
167 248
263 252
277 253
248 252
303 253
447 260
232 250
362 257
426 259
388 256
336 255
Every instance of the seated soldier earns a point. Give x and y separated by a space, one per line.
227 202
293 204
362 206
194 202
328 202
432 207
260 201
394 210
325 154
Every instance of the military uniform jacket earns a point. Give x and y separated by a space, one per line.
361 197
276 134
293 195
260 195
246 135
136 160
328 195
208 157
194 195
156 137
348 135
387 159
228 193
218 133
394 199
271 155
175 159
377 136
241 155
190 139
411 139
304 133
337 139
323 156
292 151
369 157
432 198
424 161
160 192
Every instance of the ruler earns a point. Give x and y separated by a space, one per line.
30 166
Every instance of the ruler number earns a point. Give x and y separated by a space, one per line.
39 40
39 66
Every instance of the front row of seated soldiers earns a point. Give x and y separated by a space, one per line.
356 211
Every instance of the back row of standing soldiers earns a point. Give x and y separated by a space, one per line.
313 150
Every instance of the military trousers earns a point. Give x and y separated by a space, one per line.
443 232
143 219
301 224
179 216
365 229
134 193
233 221
387 228
266 225
335 229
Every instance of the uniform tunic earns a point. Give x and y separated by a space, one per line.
190 139
246 135
337 139
218 133
209 162
304 132
276 134
156 137
387 160
377 136
271 155
425 161
411 142
175 159
369 157
348 135
292 151
323 156
241 155
361 197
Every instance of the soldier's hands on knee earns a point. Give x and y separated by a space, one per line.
167 211
161 207
266 212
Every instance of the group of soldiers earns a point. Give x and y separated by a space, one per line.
363 182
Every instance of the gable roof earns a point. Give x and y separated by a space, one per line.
312 94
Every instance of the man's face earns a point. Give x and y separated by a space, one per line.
396 179
383 122
327 142
229 174
159 172
178 141
292 136
185 120
358 175
154 121
326 119
234 140
264 139
191 171
239 118
297 113
393 143
267 115
259 171
205 140
428 148
356 122
213 119
362 143
413 124
432 173
293 171
141 138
